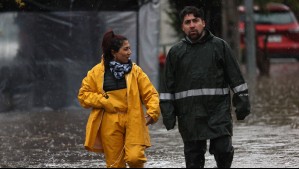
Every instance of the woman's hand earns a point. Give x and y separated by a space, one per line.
108 106
149 120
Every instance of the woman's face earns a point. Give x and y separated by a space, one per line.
124 53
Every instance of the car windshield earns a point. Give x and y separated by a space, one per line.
274 18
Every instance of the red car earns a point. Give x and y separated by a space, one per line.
277 29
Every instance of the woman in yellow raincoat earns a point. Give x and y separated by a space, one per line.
116 89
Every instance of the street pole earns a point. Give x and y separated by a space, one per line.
250 39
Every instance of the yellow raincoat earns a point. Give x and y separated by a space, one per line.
139 91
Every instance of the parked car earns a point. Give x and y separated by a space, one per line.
277 30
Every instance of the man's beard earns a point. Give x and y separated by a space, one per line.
195 35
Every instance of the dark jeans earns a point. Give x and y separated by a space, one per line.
221 148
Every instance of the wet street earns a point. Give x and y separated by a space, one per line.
268 138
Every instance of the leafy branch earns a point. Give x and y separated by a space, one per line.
20 3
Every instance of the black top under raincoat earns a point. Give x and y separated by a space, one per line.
196 89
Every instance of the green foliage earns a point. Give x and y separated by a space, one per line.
20 3
174 21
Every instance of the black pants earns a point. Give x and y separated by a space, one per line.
221 148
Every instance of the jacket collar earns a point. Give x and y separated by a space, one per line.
102 65
128 76
207 36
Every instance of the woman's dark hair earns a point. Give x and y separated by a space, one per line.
191 10
111 42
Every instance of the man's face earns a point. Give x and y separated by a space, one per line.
193 26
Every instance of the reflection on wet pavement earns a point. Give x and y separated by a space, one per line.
269 137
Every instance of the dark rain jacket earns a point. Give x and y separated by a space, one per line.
196 89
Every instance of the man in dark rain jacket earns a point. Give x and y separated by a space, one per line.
200 70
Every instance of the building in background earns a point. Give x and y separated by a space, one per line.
47 47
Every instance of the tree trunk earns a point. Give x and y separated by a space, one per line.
230 30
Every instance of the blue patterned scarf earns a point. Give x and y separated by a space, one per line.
119 70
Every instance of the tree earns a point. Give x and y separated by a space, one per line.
20 3
230 25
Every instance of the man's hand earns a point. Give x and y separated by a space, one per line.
149 120
242 115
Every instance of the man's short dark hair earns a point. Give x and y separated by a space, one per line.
191 10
